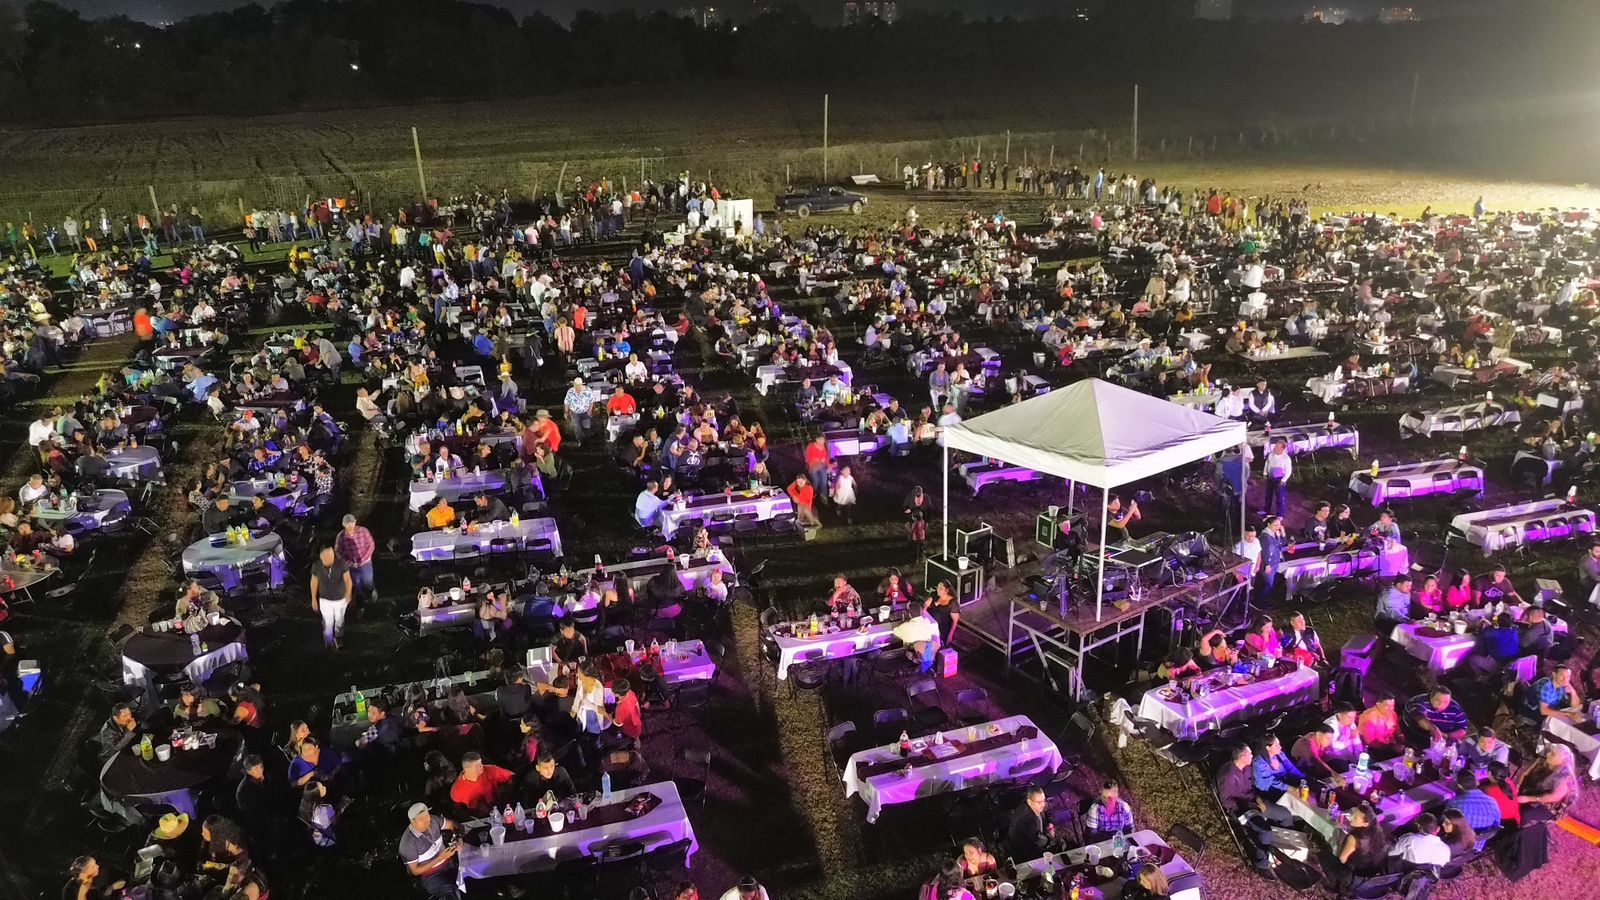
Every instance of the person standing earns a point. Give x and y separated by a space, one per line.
354 546
803 496
331 588
816 455
844 495
1278 466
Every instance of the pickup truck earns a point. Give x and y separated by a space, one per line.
822 198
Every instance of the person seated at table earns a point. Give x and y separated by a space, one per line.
1302 643
494 616
621 403
382 737
975 859
568 646
545 778
1178 665
1492 588
1316 529
313 765
1150 884
87 881
1496 645
806 396
262 514
220 516
194 706
1477 807
1363 851
1557 695
196 598
1385 531
1394 604
1029 834
1379 727
441 514
1502 790
118 732
1235 784
1422 847
1273 771
486 509
1456 832
1537 633
1107 815
1262 640
1347 742
747 889
1314 754
1429 598
477 788
843 595
1215 651
1458 595
1435 715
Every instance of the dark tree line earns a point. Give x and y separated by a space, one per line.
57 67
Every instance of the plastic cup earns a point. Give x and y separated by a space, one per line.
164 752
558 821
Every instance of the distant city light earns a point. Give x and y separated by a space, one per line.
355 67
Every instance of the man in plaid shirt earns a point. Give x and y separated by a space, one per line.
355 547
1108 815
1558 696
1480 809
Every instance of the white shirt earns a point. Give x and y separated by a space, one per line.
1250 550
1421 849
39 432
645 508
733 893
31 494
1275 462
1231 406
950 418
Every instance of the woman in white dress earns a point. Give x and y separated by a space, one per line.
844 494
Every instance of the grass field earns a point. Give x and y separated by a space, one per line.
748 139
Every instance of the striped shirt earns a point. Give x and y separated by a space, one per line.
1450 719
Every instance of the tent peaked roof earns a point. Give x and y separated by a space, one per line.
1097 433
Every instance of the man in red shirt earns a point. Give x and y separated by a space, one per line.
627 716
547 430
817 463
475 787
622 403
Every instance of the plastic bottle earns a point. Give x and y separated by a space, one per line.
605 786
361 702
194 643
1119 844
1363 762
905 743
519 815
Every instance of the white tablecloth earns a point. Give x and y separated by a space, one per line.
666 824
1220 708
1420 475
434 545
465 484
1446 652
1304 572
1111 890
1281 354
1394 810
1308 438
89 515
688 661
1194 400
1506 526
135 672
831 646
1003 763
242 492
1585 745
228 561
1471 416
133 462
1560 404
769 376
671 518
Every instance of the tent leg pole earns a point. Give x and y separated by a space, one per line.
945 551
1100 579
1072 492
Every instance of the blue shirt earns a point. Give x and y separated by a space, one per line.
1552 696
1394 605
1500 643
1480 809
1269 779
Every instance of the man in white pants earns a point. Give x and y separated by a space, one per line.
330 594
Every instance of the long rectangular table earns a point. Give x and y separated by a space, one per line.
1463 418
1308 569
981 472
1310 438
768 377
1522 523
680 662
1189 719
463 484
1440 647
1003 750
1399 806
445 545
1175 868
1583 737
1406 480
704 507
850 642
543 850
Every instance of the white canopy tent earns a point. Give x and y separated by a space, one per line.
1093 432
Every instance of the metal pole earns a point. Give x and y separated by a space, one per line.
1008 146
1100 579
416 146
946 530
154 204
1136 123
824 138
1411 118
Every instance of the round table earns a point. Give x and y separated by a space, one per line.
229 561
148 653
133 462
176 782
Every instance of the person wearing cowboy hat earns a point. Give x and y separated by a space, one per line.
546 431
579 403
172 835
